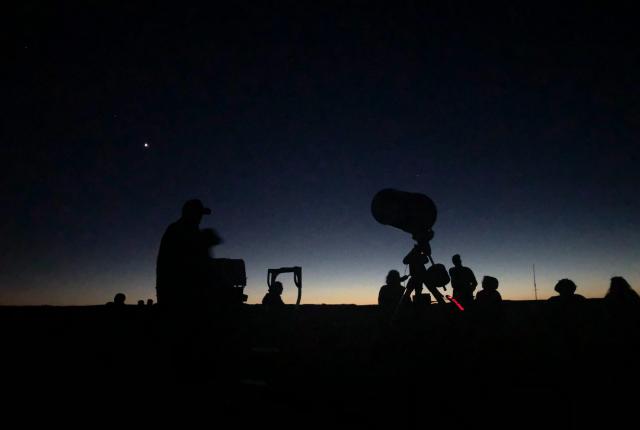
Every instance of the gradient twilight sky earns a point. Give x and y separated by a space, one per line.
522 124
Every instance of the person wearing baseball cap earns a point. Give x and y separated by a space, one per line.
194 208
178 264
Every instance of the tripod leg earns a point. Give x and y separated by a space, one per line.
437 295
405 297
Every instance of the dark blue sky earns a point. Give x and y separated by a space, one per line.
521 123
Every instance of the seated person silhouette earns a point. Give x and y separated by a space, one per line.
566 290
487 306
118 300
621 301
620 292
273 299
489 294
566 311
392 292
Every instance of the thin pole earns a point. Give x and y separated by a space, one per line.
535 287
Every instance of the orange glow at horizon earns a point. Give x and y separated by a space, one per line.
329 290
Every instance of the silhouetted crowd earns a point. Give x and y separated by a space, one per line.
189 276
620 298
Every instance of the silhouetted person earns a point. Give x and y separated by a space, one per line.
392 292
149 302
180 264
568 320
566 311
621 293
463 282
487 309
273 299
140 303
416 259
489 295
622 302
119 300
566 290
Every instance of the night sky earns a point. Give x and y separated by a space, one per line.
521 123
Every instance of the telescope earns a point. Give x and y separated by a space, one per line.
413 213
416 214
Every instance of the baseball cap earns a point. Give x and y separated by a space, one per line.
195 206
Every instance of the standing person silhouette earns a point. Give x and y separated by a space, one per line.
179 265
463 282
416 259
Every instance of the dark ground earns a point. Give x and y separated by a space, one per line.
530 365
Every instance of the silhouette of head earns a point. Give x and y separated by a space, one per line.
276 288
140 302
489 283
457 261
119 299
393 277
193 210
149 302
565 287
619 286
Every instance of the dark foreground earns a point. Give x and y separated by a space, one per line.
526 366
